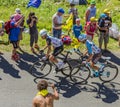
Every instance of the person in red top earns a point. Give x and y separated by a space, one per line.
91 28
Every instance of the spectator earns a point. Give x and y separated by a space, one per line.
43 97
74 11
108 24
18 11
91 11
1 31
119 41
14 34
77 28
32 22
103 32
91 28
57 23
1 28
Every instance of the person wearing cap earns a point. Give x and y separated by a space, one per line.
119 41
108 19
74 11
103 32
56 44
92 50
77 28
91 28
14 34
91 11
44 98
1 31
18 11
108 24
57 23
1 28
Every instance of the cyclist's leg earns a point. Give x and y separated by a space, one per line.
56 52
95 58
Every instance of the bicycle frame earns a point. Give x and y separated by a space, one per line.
64 59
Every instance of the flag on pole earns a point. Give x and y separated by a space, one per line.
69 23
34 3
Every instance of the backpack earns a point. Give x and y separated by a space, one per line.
66 40
7 26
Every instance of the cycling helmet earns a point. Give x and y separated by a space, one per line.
43 32
102 15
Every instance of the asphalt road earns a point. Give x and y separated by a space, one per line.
18 86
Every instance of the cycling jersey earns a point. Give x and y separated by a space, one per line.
54 41
92 48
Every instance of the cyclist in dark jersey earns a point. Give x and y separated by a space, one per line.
57 45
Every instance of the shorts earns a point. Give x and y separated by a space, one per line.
89 37
103 36
96 57
15 44
57 50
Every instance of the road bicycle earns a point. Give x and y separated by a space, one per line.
42 68
81 72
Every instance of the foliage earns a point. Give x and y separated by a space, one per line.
46 11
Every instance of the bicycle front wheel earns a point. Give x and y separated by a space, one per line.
40 69
109 73
66 70
80 75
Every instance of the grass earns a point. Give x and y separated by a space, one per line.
44 14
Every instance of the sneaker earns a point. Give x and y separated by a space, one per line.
33 51
15 57
44 58
37 47
60 65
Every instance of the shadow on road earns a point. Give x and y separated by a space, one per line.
67 88
26 61
108 92
28 57
8 68
115 59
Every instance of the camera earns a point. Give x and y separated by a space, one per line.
34 17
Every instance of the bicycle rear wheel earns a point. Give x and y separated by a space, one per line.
109 73
69 64
40 69
80 74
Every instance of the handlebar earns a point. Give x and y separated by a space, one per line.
68 52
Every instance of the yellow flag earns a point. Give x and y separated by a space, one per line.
69 23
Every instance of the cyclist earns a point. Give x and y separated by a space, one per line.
57 45
93 51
